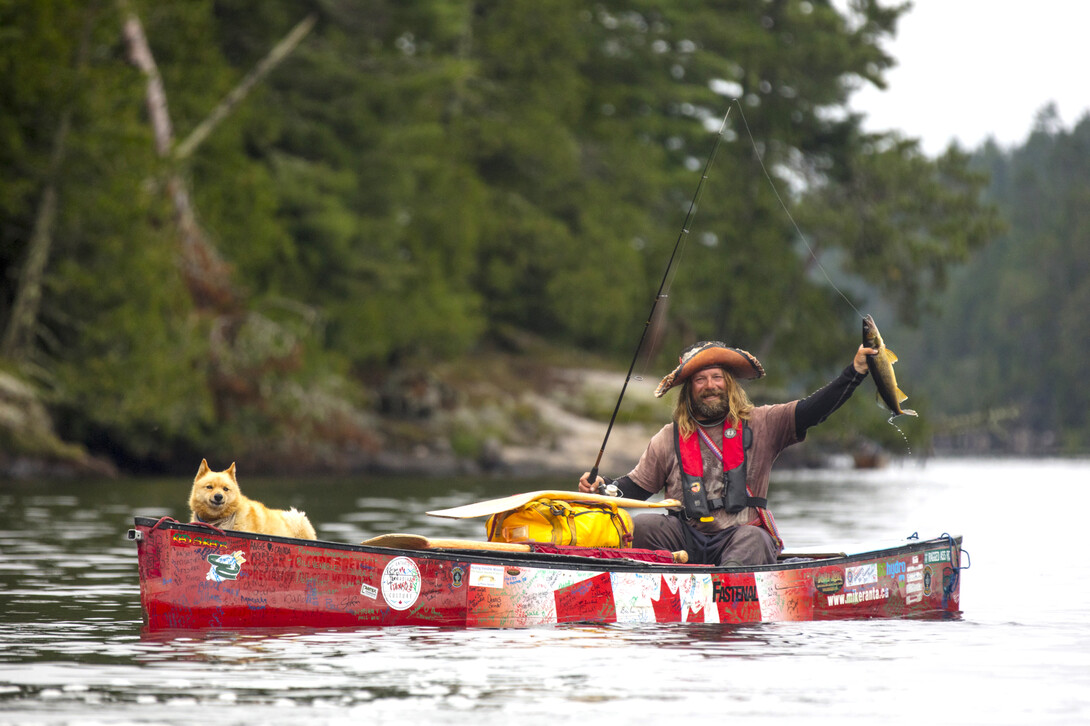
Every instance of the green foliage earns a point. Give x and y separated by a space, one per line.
418 179
117 352
1012 329
910 219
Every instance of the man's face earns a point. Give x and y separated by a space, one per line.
709 392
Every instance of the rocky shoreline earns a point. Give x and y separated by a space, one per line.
556 429
545 431
29 446
424 425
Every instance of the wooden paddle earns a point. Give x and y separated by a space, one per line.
493 506
420 542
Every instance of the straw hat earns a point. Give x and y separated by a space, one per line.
707 353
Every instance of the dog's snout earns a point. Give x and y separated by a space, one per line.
217 498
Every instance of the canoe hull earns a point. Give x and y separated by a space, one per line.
192 577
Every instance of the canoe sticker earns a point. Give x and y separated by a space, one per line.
860 596
917 583
190 539
894 570
861 575
936 556
401 583
532 597
225 567
637 597
829 580
696 603
486 576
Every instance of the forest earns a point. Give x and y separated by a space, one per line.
313 232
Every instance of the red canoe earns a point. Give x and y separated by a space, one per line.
193 576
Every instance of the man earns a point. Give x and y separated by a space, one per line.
717 455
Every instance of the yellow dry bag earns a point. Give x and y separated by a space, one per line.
560 522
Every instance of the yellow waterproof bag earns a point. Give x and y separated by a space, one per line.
560 522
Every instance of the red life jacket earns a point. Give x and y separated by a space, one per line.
731 451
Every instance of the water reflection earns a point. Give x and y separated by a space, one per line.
71 636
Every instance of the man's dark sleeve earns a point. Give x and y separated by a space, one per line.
629 488
817 407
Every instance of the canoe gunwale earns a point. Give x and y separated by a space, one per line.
798 561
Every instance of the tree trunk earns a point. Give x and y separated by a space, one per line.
281 51
19 334
206 275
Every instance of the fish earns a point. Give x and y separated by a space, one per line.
881 368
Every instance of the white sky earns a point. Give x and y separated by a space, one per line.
973 69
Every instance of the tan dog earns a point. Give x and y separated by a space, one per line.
217 500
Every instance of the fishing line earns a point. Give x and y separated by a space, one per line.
661 294
772 184
813 255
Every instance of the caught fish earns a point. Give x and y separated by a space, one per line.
881 368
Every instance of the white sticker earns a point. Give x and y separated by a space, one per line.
401 583
861 575
369 591
486 576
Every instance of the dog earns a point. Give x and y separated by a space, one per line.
217 500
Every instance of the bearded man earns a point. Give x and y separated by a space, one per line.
717 454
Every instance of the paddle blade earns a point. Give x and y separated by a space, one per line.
494 506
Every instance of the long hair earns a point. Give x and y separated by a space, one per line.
739 405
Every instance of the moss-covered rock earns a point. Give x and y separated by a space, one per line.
29 447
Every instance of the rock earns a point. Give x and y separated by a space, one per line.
29 447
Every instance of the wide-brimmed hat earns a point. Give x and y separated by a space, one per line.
737 362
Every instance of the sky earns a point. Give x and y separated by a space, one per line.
973 69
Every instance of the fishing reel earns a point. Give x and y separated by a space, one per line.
608 490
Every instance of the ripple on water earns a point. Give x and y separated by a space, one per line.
71 641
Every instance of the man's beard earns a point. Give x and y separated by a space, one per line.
712 406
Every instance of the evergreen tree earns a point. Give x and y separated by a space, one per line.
416 179
1006 343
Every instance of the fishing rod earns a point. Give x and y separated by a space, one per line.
659 295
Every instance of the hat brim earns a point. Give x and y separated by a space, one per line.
737 362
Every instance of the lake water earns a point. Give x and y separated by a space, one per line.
72 648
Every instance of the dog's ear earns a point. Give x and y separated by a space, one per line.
231 472
203 469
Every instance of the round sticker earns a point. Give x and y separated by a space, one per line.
401 583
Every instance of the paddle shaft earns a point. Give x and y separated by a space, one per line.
419 542
658 296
